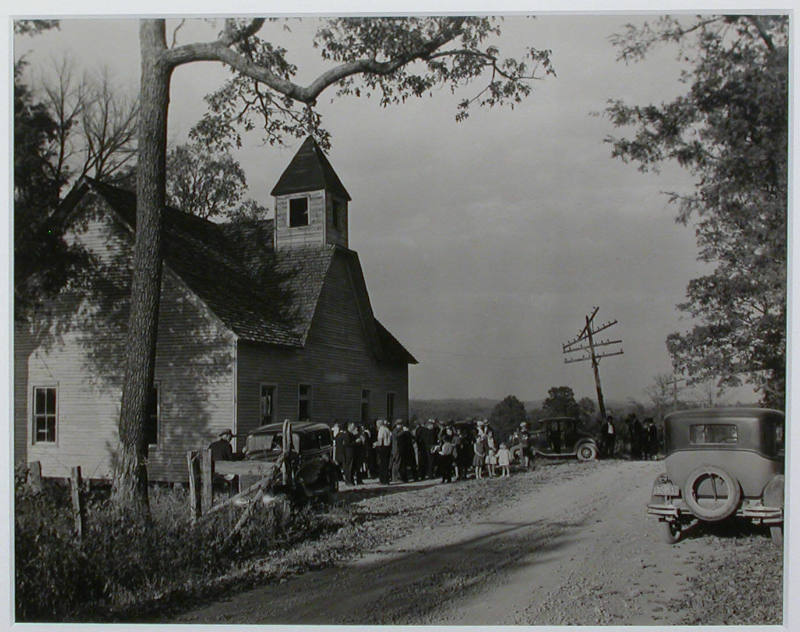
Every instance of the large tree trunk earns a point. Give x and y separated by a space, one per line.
130 475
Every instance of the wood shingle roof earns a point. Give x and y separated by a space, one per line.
309 170
259 294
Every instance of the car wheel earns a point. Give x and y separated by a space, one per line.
776 534
670 531
711 493
587 452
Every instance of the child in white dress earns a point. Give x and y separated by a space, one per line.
504 460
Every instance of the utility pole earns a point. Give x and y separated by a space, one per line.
674 383
587 333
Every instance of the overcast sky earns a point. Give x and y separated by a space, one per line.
483 243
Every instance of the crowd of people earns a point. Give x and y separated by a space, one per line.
399 453
643 437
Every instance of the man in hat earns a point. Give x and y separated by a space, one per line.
383 450
525 446
609 436
396 431
426 438
221 450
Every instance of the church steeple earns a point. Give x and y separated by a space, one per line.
310 201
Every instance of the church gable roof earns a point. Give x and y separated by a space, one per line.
242 281
259 294
309 170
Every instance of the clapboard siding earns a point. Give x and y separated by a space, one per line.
194 369
336 235
300 236
337 362
23 346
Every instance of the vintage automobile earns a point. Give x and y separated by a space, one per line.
560 437
313 472
721 462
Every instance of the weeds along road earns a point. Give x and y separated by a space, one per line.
568 544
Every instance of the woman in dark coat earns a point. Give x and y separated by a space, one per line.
338 448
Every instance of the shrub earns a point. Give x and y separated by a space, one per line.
122 560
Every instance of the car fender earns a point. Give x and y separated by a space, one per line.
773 494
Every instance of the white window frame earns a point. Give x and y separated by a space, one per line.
274 401
307 198
34 440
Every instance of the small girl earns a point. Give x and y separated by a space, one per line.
479 457
446 450
491 453
504 460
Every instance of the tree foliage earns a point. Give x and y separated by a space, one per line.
43 262
208 183
507 415
560 402
391 59
587 407
730 131
65 126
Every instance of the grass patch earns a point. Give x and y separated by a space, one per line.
122 562
739 583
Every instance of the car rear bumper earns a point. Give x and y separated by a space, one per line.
757 513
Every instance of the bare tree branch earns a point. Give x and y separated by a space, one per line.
220 50
175 33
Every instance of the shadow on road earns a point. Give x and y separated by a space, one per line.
408 586
355 494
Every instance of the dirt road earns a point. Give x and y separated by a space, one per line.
574 549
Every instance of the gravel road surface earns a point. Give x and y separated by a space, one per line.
568 544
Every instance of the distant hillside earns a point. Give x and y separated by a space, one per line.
457 408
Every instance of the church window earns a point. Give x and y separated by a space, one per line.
298 212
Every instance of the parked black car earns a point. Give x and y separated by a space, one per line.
721 462
313 472
560 437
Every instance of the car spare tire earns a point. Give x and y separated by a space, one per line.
711 493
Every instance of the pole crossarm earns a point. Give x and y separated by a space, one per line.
603 327
597 356
602 343
608 355
571 360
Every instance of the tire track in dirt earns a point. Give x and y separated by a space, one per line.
576 549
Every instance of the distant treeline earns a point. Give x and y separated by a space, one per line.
446 409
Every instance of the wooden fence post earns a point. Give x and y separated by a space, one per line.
287 448
77 506
35 475
194 484
207 473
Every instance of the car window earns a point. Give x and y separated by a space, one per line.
773 437
700 434
264 442
325 438
309 441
